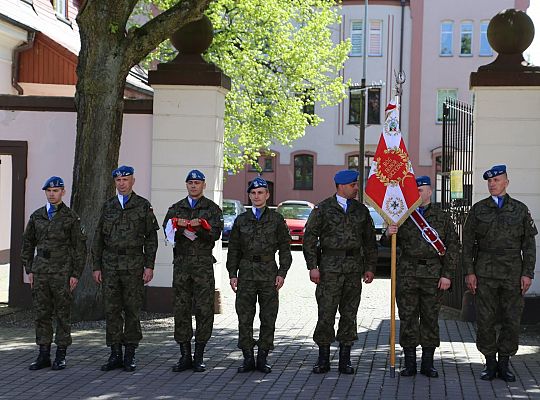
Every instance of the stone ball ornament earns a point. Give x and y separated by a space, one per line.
194 37
510 32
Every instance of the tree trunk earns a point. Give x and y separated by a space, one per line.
106 56
100 105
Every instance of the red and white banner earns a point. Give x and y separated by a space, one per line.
391 186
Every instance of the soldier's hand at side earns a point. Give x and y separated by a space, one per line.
31 280
391 230
97 277
279 282
73 283
148 275
368 277
234 284
471 282
525 284
315 276
444 283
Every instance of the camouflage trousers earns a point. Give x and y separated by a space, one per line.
194 288
337 291
419 303
123 295
51 296
498 301
247 295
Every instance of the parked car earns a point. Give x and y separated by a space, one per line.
231 210
296 213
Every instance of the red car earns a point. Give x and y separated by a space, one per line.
296 213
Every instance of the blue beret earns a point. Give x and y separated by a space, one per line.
346 176
53 182
423 181
494 171
195 175
258 182
123 170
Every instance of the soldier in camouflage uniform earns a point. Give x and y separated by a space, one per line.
55 230
422 276
340 248
499 256
199 222
254 275
124 252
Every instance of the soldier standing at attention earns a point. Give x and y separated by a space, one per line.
198 223
254 275
340 248
499 255
422 276
124 252
55 230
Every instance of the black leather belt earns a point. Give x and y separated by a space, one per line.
192 252
46 253
341 253
500 252
260 257
127 251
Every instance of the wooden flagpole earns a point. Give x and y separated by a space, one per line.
400 79
393 309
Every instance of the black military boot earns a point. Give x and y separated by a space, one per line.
60 358
345 366
129 358
490 371
427 368
43 359
198 361
115 359
185 362
323 363
261 361
503 370
410 362
249 361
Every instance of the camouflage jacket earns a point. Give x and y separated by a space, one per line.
253 244
330 228
60 243
499 242
126 238
205 241
418 257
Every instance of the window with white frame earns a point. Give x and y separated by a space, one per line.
60 6
447 29
357 38
485 48
466 38
375 38
442 95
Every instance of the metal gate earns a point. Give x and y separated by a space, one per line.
457 156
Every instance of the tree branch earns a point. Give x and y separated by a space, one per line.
141 41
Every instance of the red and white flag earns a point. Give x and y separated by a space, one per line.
391 186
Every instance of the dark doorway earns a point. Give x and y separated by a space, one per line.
19 293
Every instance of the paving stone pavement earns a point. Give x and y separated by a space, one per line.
457 360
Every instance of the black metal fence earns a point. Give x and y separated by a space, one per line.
457 156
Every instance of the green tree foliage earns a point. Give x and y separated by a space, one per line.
281 59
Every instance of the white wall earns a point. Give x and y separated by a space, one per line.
5 201
10 38
51 147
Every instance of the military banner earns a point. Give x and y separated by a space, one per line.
391 187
